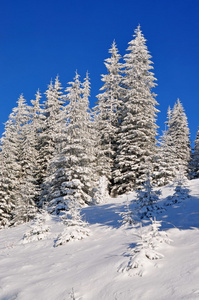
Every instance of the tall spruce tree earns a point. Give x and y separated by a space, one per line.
18 182
178 133
108 112
7 203
37 126
194 163
136 151
50 129
166 156
89 140
69 174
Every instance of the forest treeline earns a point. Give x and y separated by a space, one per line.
57 151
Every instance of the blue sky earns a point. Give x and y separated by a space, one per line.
42 38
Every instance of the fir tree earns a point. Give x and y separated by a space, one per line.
128 216
69 173
6 200
37 127
147 199
76 228
136 151
27 191
194 163
50 130
18 183
9 171
108 112
178 133
39 230
166 156
146 249
88 138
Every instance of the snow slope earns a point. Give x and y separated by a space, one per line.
88 269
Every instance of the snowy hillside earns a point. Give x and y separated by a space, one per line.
91 269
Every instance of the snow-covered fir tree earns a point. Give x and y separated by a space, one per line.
70 176
80 139
39 230
128 216
166 156
50 129
37 127
6 200
9 171
136 151
147 199
76 227
29 189
18 182
108 112
146 249
194 163
89 141
178 133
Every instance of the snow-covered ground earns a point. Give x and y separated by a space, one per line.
88 269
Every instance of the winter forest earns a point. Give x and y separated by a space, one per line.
59 155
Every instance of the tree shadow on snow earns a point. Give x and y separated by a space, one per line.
183 214
106 214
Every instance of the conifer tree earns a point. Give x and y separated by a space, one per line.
146 249
136 151
89 138
50 129
194 163
178 132
69 174
39 230
128 217
166 156
25 206
37 127
18 178
6 201
76 228
9 171
147 199
108 112
79 130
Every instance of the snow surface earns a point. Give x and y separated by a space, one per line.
88 269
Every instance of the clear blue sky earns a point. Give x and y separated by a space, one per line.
42 38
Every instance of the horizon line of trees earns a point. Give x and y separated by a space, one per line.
60 151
